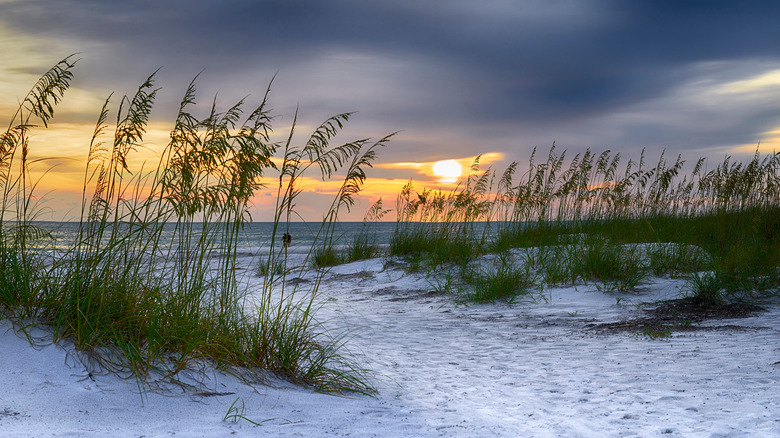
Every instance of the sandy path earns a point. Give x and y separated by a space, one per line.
537 369
444 369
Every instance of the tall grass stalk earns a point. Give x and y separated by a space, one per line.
316 359
150 283
364 244
729 212
22 273
440 225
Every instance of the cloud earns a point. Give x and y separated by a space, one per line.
456 77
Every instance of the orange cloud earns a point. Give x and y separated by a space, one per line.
60 153
769 144
424 169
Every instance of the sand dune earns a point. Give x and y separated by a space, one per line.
442 368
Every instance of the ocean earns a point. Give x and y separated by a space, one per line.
255 237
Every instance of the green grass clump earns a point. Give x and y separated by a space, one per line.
364 244
676 259
614 267
149 285
660 332
555 264
435 244
707 288
326 256
503 281
362 247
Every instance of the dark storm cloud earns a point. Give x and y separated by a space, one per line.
531 64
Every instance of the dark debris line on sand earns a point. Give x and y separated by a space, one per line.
8 413
681 315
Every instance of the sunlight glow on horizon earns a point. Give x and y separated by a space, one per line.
58 155
426 170
769 144
62 148
448 171
60 152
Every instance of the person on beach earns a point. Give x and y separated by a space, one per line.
287 239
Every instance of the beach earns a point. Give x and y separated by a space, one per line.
538 366
466 219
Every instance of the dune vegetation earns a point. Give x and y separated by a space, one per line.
595 221
149 285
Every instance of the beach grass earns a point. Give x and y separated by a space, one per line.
504 279
149 285
364 244
707 287
591 220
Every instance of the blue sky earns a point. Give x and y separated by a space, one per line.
457 78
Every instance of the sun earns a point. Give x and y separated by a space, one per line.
448 171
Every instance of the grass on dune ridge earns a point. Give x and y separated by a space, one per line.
594 221
155 304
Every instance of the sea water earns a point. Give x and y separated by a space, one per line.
256 237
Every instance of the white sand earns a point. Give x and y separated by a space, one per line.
442 369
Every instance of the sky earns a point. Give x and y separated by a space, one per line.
455 78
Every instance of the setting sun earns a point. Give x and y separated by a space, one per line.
448 171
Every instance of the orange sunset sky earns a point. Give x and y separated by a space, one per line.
456 79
